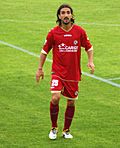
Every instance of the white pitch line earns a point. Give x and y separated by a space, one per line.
100 24
102 79
19 48
84 73
38 21
114 78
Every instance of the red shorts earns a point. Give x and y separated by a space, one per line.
68 88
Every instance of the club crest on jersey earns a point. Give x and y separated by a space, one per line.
75 42
64 48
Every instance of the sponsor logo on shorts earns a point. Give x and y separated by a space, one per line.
76 93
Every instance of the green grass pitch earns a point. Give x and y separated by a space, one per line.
24 105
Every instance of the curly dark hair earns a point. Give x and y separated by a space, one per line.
58 13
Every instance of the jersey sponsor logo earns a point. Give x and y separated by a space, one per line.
67 35
64 48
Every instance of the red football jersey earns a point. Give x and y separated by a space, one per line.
66 49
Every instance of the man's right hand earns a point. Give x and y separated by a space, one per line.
39 74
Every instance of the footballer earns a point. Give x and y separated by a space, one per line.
65 40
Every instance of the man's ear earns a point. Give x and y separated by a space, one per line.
59 16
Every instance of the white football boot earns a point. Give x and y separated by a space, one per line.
53 133
66 134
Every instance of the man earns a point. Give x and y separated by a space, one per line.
66 41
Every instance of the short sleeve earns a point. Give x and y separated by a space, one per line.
85 42
48 43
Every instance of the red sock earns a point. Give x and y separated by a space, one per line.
68 116
54 109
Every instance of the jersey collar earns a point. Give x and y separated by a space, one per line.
67 30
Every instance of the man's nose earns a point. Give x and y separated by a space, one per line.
66 14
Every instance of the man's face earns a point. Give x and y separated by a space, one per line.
65 15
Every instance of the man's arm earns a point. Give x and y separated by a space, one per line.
40 72
90 60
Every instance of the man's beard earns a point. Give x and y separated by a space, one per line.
66 21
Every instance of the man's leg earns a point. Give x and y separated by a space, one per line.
69 114
54 110
71 92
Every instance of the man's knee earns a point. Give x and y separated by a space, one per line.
71 102
55 98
